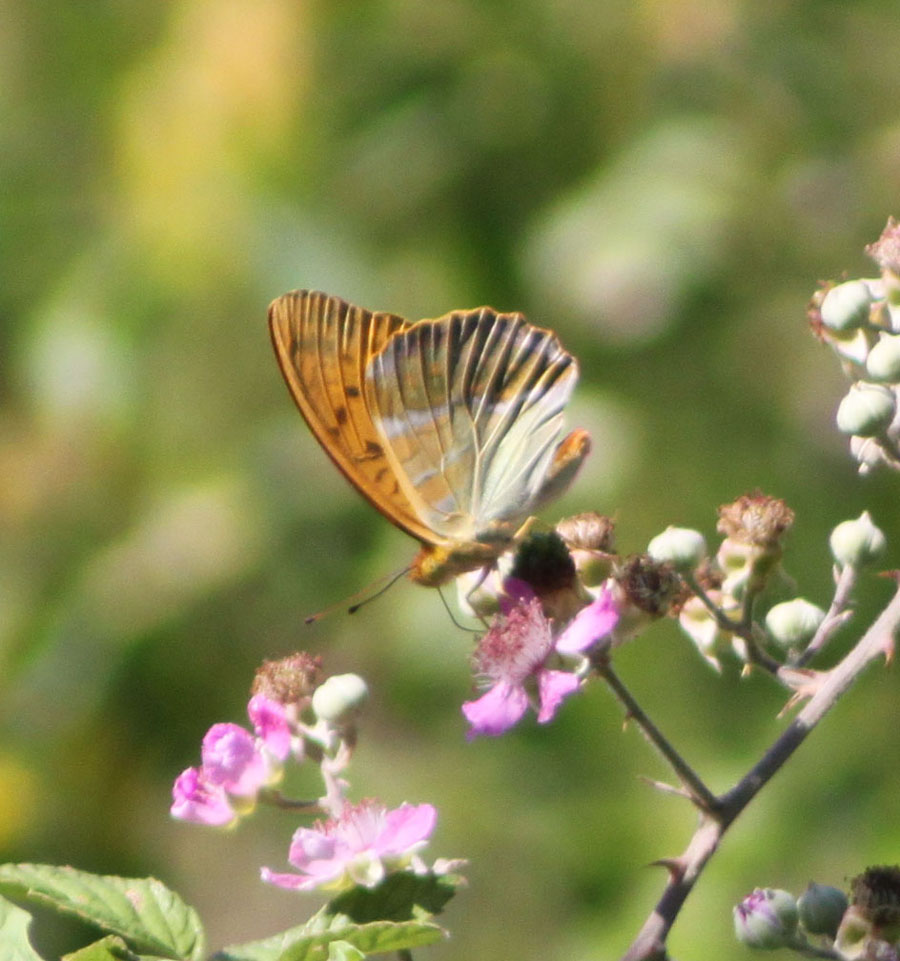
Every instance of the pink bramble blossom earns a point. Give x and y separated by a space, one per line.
269 720
195 798
233 759
358 847
514 653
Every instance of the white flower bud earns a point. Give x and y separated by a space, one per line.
883 362
792 624
338 696
682 547
821 909
857 543
868 453
846 306
766 919
866 410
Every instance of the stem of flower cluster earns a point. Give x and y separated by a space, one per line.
698 791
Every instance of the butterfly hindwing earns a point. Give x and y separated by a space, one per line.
469 408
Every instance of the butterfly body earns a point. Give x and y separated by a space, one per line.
446 426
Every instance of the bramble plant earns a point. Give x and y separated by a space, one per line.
555 612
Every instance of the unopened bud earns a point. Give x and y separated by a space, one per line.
766 919
857 543
792 624
339 696
821 908
846 306
866 410
681 547
883 362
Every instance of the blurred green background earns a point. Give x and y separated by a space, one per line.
662 183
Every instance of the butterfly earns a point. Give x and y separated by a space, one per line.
448 427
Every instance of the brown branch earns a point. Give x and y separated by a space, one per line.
649 945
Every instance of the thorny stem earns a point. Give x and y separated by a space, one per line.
685 870
699 792
837 614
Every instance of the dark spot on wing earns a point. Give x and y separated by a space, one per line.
351 391
340 415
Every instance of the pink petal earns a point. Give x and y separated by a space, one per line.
232 759
592 624
309 846
554 687
195 799
295 882
496 711
268 719
406 827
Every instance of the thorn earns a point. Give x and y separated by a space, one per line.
665 788
675 867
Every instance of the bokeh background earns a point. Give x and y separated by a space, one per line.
662 183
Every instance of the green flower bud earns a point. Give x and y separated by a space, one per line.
846 306
866 410
792 624
339 696
883 362
821 908
857 543
682 547
766 919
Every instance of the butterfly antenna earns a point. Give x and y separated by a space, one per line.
354 607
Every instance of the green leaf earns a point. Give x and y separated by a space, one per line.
111 948
151 918
344 951
14 944
394 916
400 897
299 944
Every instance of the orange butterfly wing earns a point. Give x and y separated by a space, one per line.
323 345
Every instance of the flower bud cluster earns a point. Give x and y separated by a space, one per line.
860 321
824 922
771 918
747 561
296 717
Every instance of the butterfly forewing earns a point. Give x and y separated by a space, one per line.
324 346
469 407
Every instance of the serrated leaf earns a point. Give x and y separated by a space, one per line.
393 916
110 948
14 943
344 951
400 897
151 918
299 944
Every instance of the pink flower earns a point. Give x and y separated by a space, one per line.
514 651
592 624
233 760
195 798
271 726
357 848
